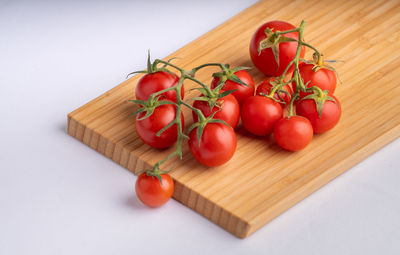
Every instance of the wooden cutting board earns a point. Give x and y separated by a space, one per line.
262 181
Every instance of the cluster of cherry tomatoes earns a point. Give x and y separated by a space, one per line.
294 102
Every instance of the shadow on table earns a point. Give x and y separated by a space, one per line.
134 202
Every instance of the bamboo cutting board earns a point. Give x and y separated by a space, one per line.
262 181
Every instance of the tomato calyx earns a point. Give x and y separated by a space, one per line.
319 63
276 88
319 96
149 106
152 67
155 172
213 95
273 98
203 121
229 74
272 40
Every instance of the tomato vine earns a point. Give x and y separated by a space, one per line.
317 94
202 120
272 41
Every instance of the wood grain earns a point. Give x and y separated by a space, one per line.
262 181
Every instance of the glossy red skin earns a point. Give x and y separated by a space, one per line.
265 87
324 78
148 128
154 82
217 145
259 115
151 192
294 133
329 118
230 110
242 91
265 62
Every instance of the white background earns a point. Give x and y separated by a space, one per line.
57 196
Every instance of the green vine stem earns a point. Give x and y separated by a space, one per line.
319 55
294 97
190 75
184 74
296 74
208 64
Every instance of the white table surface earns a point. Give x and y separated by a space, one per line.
58 196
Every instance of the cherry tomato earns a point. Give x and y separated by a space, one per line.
228 110
265 88
217 144
259 115
265 60
242 92
330 115
154 82
152 192
148 128
294 133
323 78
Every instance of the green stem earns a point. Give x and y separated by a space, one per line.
201 116
298 80
288 82
298 51
152 96
296 74
179 102
274 89
179 127
286 70
310 46
208 64
313 48
318 90
157 165
291 104
158 61
287 31
204 86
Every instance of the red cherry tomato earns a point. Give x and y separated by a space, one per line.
265 60
324 78
294 133
217 144
259 115
152 192
148 128
227 107
330 116
265 88
154 82
242 92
